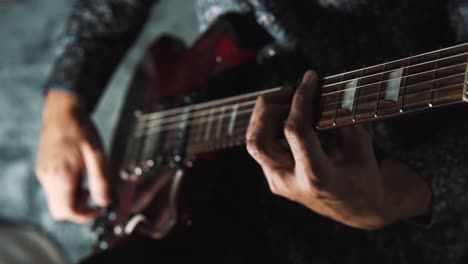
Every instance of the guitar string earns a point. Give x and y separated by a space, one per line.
189 115
401 88
197 114
386 63
222 112
214 110
200 121
398 78
216 114
153 130
188 109
239 135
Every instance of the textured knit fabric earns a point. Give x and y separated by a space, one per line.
332 35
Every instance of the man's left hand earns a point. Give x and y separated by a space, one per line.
342 181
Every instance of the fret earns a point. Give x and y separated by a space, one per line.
367 99
434 77
405 81
199 131
149 146
208 125
329 100
335 115
321 105
382 78
349 95
233 119
358 92
220 122
133 149
465 85
393 85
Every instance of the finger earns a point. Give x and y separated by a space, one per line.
263 136
265 124
61 194
82 205
280 183
304 143
97 168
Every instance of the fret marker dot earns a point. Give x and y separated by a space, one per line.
334 124
401 110
430 105
354 120
375 115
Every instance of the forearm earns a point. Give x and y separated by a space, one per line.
96 37
60 103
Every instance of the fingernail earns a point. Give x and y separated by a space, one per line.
309 75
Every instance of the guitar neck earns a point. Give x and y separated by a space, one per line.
391 89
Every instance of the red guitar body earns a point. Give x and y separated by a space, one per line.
152 174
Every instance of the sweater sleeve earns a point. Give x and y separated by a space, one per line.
435 144
97 35
442 161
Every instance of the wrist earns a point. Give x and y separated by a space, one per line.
60 103
406 194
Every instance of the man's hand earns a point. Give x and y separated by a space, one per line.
342 181
69 144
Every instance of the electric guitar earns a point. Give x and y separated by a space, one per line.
174 117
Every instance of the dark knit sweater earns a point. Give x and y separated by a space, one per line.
332 35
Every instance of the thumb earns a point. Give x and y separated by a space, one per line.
97 167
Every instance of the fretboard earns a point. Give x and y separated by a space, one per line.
391 89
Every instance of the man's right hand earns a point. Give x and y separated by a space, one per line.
69 145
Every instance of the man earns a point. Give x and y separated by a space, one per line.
413 198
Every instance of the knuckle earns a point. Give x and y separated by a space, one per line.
280 186
316 190
275 189
255 147
253 142
316 194
60 170
293 130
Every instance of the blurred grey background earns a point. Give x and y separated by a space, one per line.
29 34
